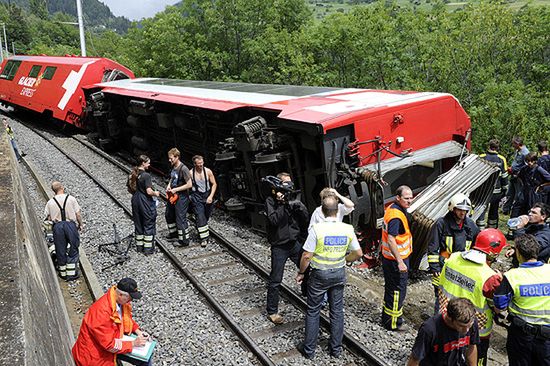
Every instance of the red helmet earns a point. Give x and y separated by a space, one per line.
490 241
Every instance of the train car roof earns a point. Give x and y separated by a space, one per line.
299 103
60 60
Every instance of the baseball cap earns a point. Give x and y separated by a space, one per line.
129 285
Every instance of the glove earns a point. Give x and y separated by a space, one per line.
173 197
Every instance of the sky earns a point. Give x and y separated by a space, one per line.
137 9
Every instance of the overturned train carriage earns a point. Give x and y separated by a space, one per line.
365 143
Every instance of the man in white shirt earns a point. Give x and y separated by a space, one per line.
345 207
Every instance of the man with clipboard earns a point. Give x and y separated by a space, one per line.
104 334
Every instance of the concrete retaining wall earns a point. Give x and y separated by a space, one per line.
34 326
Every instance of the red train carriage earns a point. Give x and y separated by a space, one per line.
362 142
54 85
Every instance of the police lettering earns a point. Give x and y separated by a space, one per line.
27 81
539 289
335 240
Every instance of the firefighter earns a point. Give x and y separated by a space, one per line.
144 208
536 184
449 339
514 195
202 195
454 232
501 186
525 292
178 200
99 341
64 212
396 249
469 275
326 249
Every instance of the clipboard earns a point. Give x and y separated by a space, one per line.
142 353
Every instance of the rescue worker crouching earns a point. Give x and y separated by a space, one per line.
178 200
396 249
469 275
525 292
202 196
454 232
64 212
144 206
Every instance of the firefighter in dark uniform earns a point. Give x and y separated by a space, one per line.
63 210
544 156
396 249
202 195
144 207
525 292
501 186
178 200
454 232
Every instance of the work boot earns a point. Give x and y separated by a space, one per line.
275 318
181 243
171 236
204 243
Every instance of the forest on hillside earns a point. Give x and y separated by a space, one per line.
494 59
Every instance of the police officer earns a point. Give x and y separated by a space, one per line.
63 210
178 199
396 249
144 208
286 229
501 185
468 275
202 195
326 250
526 293
454 232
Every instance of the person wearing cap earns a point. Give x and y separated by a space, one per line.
468 275
99 341
454 232
525 292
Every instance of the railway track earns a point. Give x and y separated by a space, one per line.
233 286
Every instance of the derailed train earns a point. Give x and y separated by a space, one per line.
365 143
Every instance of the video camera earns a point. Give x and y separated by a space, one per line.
279 186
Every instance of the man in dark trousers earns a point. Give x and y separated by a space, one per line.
449 339
178 200
326 249
64 212
454 232
287 222
501 186
202 196
525 292
514 194
396 249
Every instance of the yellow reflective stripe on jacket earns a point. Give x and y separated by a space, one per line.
468 244
531 301
333 240
463 278
449 244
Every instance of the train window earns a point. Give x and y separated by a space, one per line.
10 70
34 71
49 72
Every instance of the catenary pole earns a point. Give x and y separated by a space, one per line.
81 28
6 40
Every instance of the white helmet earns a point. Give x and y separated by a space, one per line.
460 201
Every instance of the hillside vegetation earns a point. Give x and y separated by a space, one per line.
494 58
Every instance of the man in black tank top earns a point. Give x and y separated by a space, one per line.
202 196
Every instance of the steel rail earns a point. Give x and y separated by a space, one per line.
227 318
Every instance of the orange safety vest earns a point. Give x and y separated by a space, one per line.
404 241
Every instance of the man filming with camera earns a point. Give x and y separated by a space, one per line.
287 220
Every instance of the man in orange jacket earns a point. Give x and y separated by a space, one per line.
99 342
